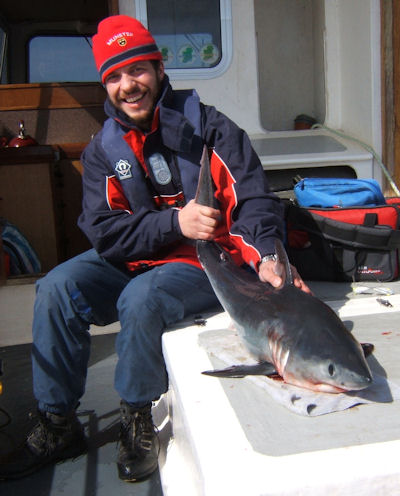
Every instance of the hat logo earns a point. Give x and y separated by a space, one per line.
120 38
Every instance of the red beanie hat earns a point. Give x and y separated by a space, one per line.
122 40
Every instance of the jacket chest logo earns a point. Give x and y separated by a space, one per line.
160 169
123 169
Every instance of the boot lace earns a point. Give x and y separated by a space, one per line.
47 436
42 440
138 430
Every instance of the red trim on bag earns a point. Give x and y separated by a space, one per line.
387 215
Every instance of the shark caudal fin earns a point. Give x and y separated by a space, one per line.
205 186
281 254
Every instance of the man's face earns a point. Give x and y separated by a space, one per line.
134 89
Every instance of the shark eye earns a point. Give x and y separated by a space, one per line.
331 369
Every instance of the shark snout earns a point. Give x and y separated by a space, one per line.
354 381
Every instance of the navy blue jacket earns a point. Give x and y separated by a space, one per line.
134 184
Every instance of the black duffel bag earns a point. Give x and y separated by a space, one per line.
345 243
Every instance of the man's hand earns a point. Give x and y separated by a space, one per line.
198 222
270 272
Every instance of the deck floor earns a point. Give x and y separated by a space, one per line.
94 474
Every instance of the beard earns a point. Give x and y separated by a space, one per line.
143 118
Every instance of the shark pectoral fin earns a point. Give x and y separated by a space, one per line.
368 349
238 371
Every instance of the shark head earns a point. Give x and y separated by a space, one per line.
329 376
327 359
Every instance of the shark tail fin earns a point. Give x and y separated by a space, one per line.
281 254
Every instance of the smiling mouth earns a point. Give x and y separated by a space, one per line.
135 99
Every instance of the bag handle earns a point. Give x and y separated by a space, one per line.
358 236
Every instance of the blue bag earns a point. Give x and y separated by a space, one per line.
23 258
338 192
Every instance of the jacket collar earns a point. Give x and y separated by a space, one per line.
176 131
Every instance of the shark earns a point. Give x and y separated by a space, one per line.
288 331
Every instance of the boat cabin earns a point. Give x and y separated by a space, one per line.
276 67
316 85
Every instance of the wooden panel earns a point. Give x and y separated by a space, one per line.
396 88
51 96
69 195
45 11
390 51
27 201
387 89
26 155
54 126
44 201
41 153
71 151
113 7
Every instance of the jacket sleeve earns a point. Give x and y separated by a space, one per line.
255 216
120 234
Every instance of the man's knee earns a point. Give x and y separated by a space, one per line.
52 282
148 306
59 290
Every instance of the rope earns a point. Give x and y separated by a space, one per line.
368 148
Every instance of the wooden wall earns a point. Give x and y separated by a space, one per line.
390 43
40 186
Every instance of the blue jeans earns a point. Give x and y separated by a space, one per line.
88 290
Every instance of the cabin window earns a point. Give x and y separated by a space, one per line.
61 59
194 36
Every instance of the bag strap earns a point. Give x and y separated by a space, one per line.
358 236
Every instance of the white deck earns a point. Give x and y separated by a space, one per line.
231 437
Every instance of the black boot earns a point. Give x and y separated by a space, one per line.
139 444
53 439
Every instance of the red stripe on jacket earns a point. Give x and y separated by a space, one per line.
225 193
115 195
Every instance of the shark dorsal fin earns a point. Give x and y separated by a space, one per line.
205 187
281 254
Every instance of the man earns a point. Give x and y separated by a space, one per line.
139 182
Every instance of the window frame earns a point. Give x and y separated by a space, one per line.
226 45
